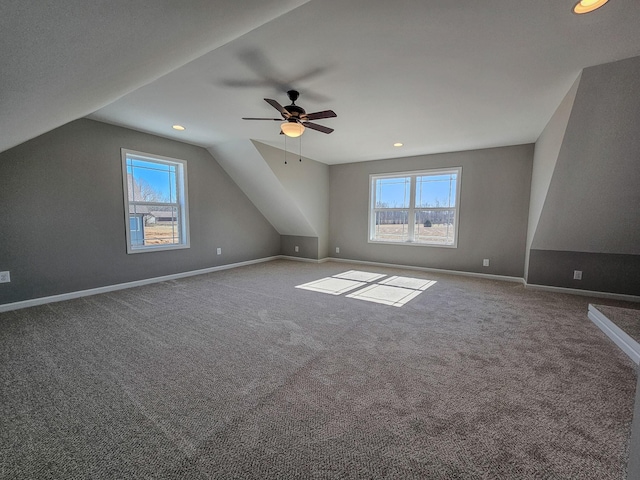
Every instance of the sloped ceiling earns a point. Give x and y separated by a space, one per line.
247 167
593 197
64 59
437 76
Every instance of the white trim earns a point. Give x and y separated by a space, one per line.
584 293
410 244
182 200
411 209
570 291
627 344
302 259
434 270
121 286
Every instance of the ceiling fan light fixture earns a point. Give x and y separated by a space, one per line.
586 6
292 129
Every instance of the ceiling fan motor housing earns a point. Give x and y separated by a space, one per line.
295 110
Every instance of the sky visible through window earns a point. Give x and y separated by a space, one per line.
160 177
431 191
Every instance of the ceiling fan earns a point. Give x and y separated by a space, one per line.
295 117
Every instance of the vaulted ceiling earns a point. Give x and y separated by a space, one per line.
437 76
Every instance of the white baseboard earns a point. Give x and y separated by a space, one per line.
302 259
572 291
627 344
504 278
584 293
121 286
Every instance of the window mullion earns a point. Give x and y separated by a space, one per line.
372 208
412 205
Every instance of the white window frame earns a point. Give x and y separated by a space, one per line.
412 209
181 203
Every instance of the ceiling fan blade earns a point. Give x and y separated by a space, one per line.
277 106
251 118
319 115
319 128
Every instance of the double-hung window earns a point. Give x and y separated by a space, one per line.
418 208
155 198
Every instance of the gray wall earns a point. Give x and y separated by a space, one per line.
307 184
601 272
494 205
545 157
62 226
307 246
594 196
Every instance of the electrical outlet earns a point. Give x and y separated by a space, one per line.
5 277
485 262
218 251
577 274
296 248
337 249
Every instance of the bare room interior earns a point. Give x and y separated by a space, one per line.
320 239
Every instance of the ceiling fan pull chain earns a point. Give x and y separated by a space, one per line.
285 149
300 149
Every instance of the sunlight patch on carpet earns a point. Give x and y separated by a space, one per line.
332 286
360 276
394 296
394 291
408 282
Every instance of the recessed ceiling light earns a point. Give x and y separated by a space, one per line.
178 127
398 144
586 6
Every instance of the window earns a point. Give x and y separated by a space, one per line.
418 208
155 198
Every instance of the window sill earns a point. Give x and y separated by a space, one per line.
412 244
159 248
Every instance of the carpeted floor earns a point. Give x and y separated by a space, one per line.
238 374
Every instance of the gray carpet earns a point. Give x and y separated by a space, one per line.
238 374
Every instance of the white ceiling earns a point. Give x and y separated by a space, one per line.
436 75
63 59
